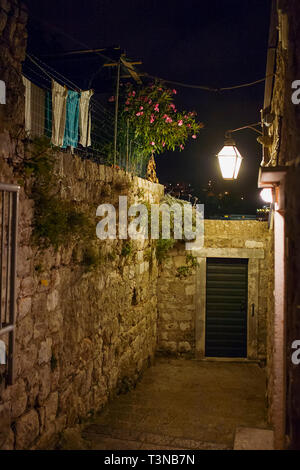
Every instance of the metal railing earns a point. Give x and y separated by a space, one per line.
9 201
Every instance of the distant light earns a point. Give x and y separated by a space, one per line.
267 195
230 160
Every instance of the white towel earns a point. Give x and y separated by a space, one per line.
85 118
34 109
2 352
59 107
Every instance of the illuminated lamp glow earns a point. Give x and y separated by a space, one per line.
230 160
267 195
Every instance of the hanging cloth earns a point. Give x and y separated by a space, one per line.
59 106
72 120
48 114
34 109
85 118
2 353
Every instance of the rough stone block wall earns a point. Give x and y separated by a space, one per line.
13 37
176 297
80 336
284 130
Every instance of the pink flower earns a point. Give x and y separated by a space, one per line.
138 114
150 101
180 123
188 125
194 136
152 143
141 108
172 105
127 102
163 144
126 109
111 99
182 147
174 91
133 93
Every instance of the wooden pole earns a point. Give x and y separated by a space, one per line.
116 111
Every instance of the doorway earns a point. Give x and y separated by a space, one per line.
226 307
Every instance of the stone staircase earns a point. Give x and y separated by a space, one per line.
101 437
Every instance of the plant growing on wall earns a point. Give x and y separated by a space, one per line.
56 221
187 270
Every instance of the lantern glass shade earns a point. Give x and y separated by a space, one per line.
230 161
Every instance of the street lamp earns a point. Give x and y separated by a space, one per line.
229 157
230 160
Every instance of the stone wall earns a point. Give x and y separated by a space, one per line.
178 296
81 336
13 36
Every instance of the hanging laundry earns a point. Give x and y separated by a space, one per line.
59 107
48 114
34 109
2 353
72 120
85 118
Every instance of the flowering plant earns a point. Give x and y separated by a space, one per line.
153 119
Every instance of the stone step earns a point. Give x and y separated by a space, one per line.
104 437
253 439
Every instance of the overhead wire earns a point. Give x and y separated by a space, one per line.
208 88
185 85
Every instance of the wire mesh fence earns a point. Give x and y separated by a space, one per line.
39 121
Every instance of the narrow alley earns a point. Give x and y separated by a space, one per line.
180 404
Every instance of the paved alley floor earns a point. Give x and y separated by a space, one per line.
183 404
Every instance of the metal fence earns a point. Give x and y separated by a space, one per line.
8 258
127 154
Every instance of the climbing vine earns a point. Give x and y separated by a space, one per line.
56 221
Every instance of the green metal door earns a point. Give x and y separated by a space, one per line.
226 307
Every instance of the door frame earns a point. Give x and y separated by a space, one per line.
253 255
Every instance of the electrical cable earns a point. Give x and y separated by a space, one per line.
208 88
185 85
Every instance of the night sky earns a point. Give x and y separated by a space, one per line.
218 43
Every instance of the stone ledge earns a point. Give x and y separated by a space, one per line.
256 253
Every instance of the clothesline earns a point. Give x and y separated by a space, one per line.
53 74
67 110
92 136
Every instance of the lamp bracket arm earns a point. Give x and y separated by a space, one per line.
249 126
